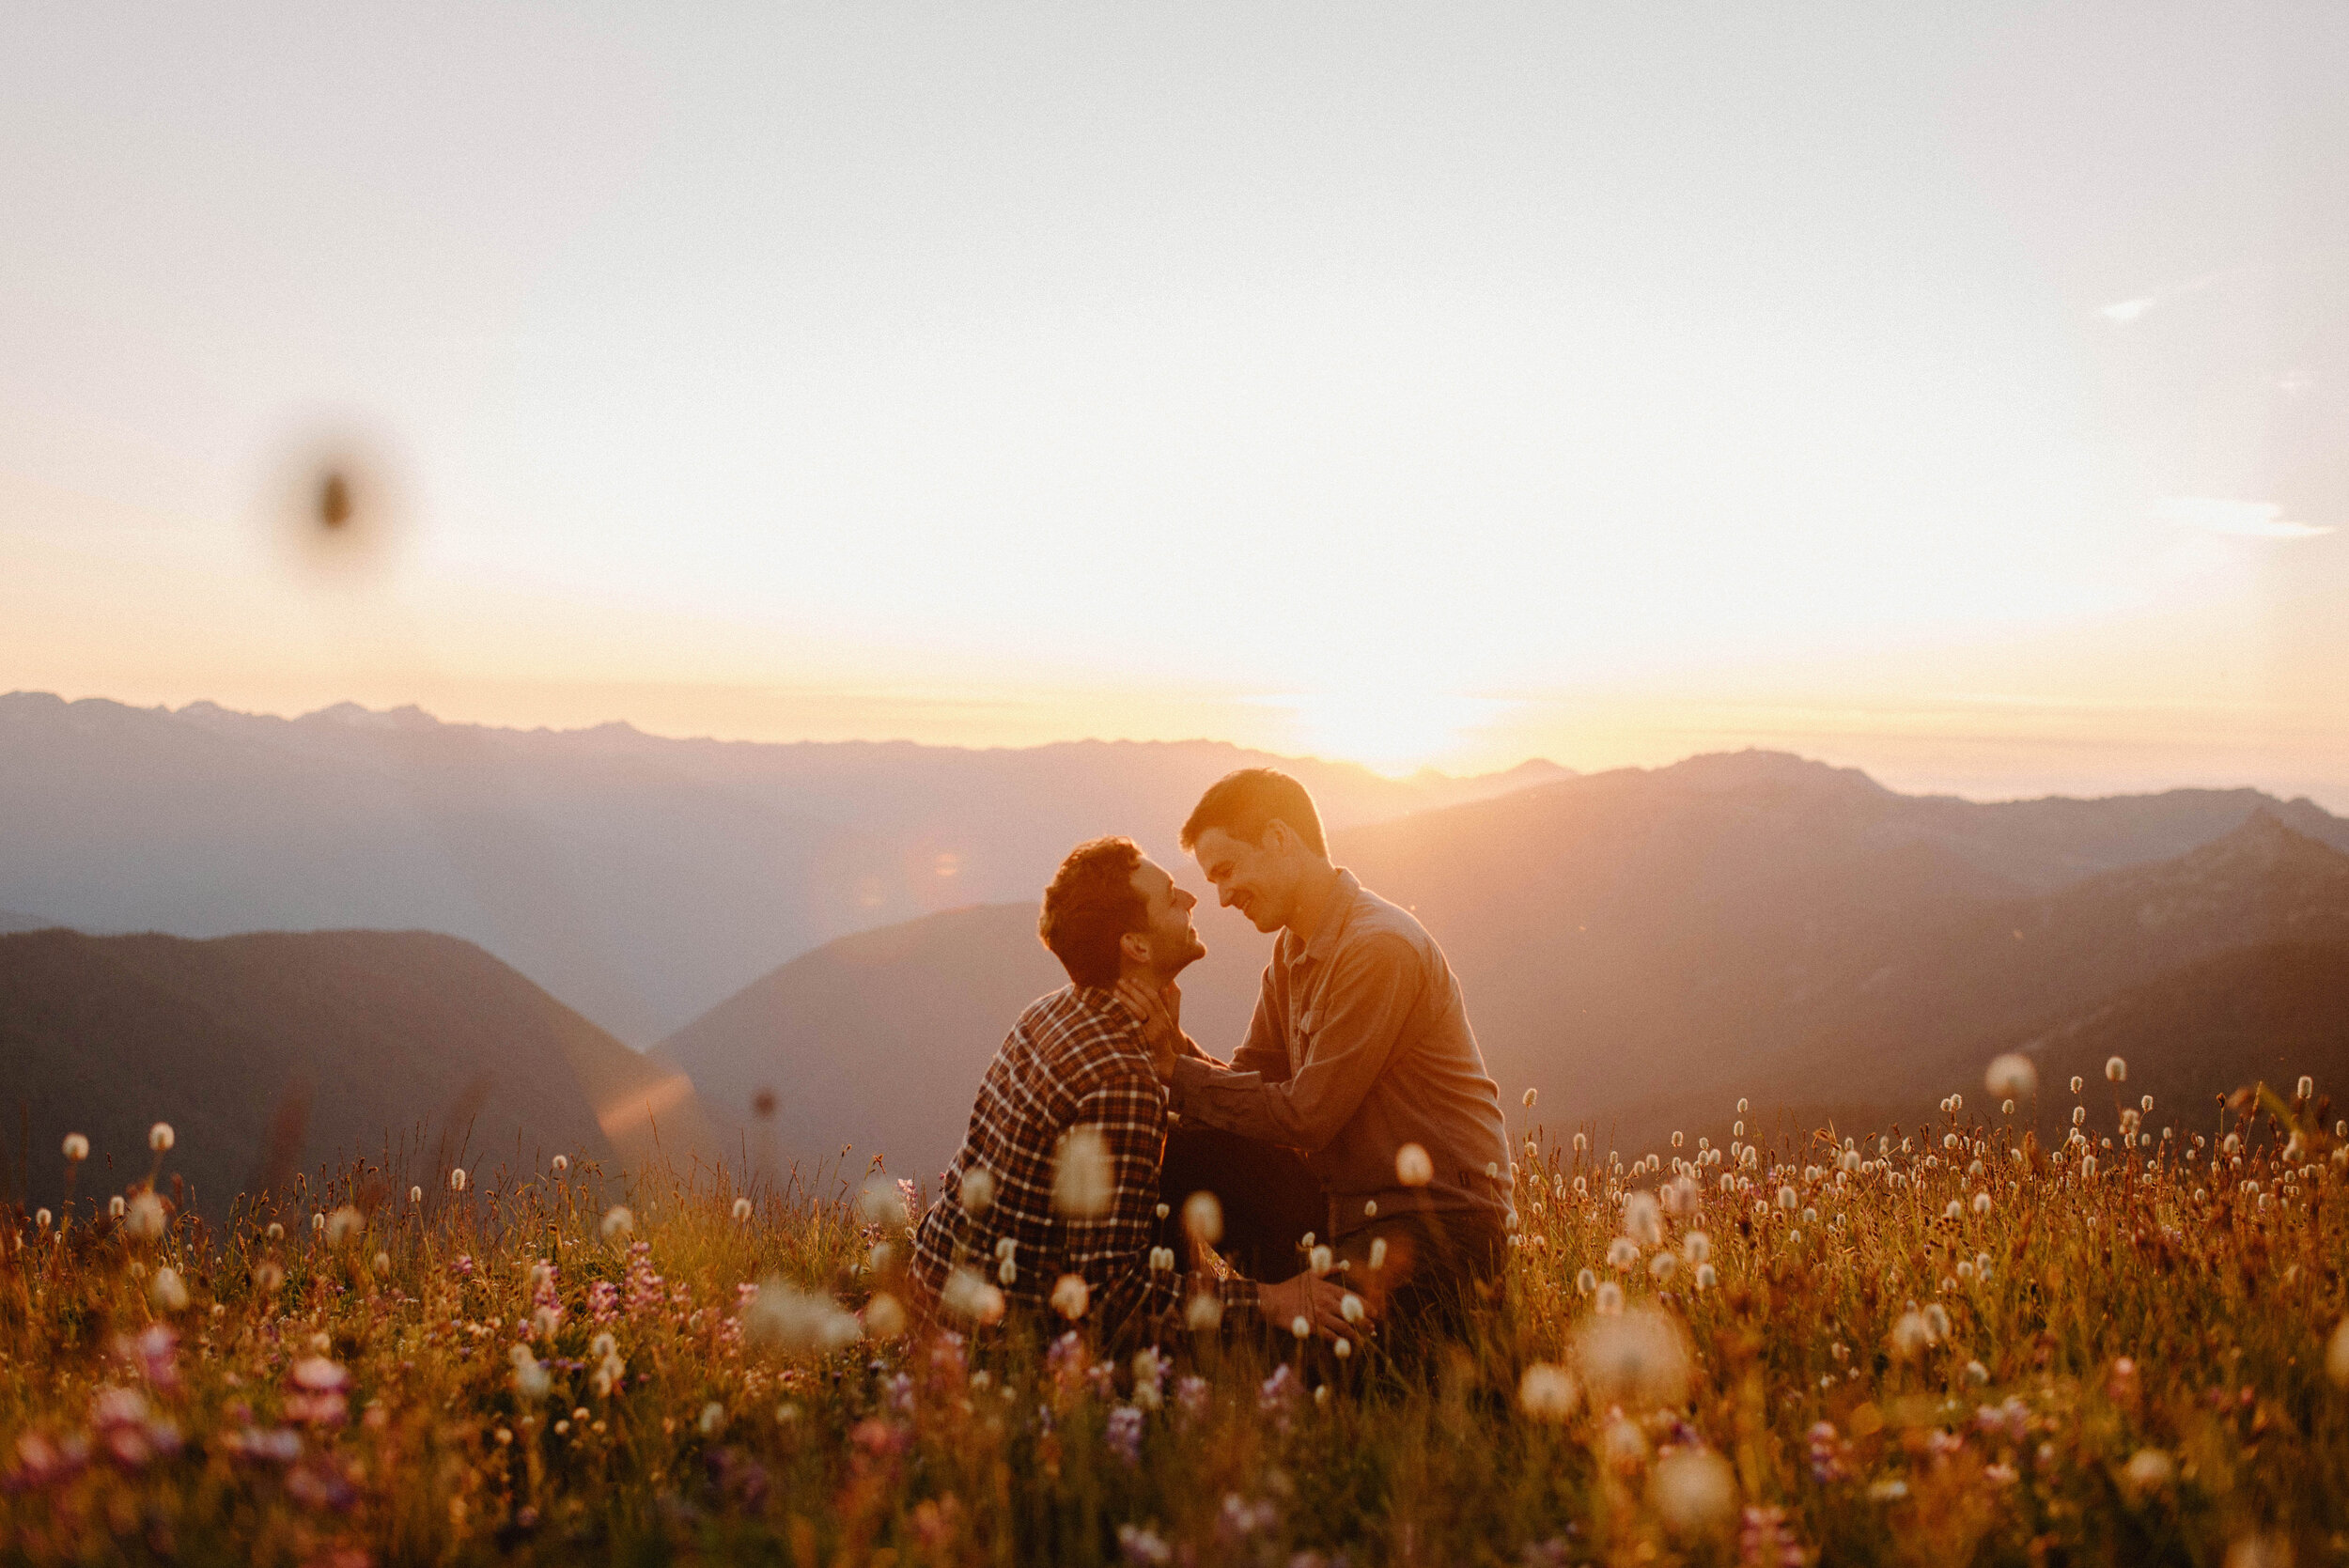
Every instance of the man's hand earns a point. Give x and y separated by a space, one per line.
1162 1022
1316 1299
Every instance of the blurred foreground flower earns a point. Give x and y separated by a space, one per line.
2012 1077
145 1218
1633 1358
784 1317
160 1137
1547 1392
168 1292
968 1297
618 1220
76 1147
530 1377
880 1203
885 1316
1412 1168
1081 1173
1694 1491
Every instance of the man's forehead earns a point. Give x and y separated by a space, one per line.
1151 877
1215 843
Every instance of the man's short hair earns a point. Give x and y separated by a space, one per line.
1091 903
1242 803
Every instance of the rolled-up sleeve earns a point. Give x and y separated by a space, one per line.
1362 1011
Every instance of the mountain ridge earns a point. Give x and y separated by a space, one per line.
642 878
303 1050
1617 936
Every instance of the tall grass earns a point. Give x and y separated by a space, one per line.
2111 1352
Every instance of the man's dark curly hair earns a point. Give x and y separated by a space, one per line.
1092 903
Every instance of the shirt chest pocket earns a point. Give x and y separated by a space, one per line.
1302 1037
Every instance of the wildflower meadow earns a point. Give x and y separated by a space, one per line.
1952 1343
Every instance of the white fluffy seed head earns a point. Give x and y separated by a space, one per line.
2337 1354
167 1290
2013 1076
1636 1359
1203 1217
618 1220
1081 1185
742 1209
1547 1392
1412 1166
160 1137
978 1191
457 1178
1694 1491
76 1147
2116 1070
145 1218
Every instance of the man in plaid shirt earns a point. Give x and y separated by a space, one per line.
1053 1198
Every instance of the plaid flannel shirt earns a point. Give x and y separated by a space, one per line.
1075 1059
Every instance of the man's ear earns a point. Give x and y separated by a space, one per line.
1279 837
1134 947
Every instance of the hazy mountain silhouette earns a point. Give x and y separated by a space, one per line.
1624 938
2070 978
641 880
293 1051
12 920
1632 935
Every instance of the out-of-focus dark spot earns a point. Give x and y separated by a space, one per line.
335 506
764 1103
337 503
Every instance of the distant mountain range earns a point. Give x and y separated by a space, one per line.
641 880
276 1055
1644 947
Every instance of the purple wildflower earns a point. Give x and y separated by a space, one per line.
1123 1432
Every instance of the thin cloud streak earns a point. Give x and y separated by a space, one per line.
2236 520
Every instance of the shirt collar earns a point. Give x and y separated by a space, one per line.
1332 926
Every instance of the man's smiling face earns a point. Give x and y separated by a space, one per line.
1255 878
1175 943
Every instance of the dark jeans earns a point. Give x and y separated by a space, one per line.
1269 1197
1437 1269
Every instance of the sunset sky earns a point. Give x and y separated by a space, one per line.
1960 392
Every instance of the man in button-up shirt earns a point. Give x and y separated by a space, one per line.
1359 1053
